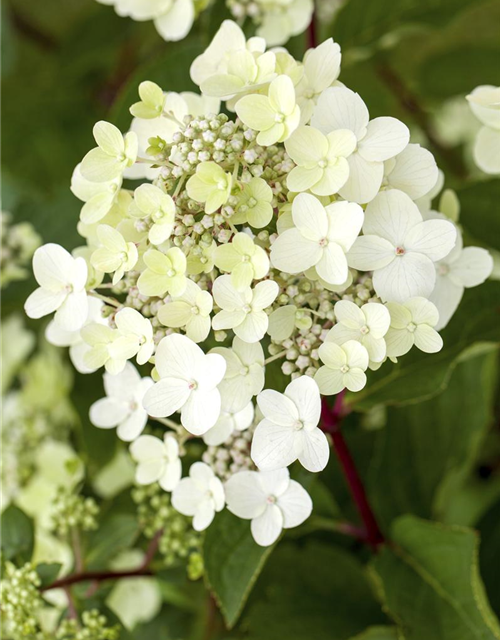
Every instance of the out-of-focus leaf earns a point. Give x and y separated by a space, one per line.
48 572
479 211
429 582
116 533
489 557
419 376
318 591
426 450
379 633
17 535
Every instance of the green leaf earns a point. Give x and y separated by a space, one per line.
318 591
117 532
479 204
233 561
419 376
17 535
431 447
489 528
48 572
429 581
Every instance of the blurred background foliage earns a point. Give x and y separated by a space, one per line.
425 437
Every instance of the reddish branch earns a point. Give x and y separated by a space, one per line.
331 420
101 576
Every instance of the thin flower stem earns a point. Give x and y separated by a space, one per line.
168 423
279 355
331 420
77 549
312 35
72 611
111 301
178 187
101 576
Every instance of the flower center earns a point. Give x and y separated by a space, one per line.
247 308
193 385
158 215
323 242
243 371
194 310
344 368
221 185
171 273
443 269
400 251
123 256
272 499
245 258
323 163
280 118
298 425
365 329
411 327
252 202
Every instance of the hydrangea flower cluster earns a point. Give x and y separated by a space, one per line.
276 20
19 242
300 227
484 102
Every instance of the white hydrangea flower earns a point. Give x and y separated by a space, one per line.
321 70
210 185
400 248
135 334
255 206
157 461
100 338
485 104
284 19
191 310
270 499
201 495
243 259
73 339
377 140
412 324
344 367
289 429
99 197
243 311
165 272
115 255
228 423
321 238
413 171
113 154
188 383
274 116
153 202
122 408
62 281
461 269
245 372
321 160
367 324
227 42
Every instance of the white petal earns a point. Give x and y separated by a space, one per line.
357 355
201 411
305 395
274 483
226 296
345 220
309 217
264 294
272 446
204 515
166 397
405 277
132 426
52 265
315 450
123 385
332 267
391 215
329 381
427 339
146 448
176 23
415 171
73 312
42 302
433 238
377 317
149 471
365 179
279 408
355 380
178 356
384 139
422 311
210 371
295 504
399 342
472 267
108 412
370 252
340 108
253 328
446 295
268 526
244 495
292 253
187 496
487 150
171 476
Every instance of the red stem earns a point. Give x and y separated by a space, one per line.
312 36
331 420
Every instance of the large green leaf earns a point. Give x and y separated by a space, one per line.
17 535
419 376
426 450
489 528
317 591
233 561
379 633
117 532
429 582
479 211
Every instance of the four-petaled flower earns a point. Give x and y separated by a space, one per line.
115 255
157 461
400 247
191 310
344 367
188 383
166 272
270 499
289 429
62 281
321 238
244 259
211 185
122 407
113 154
412 324
153 202
201 495
228 423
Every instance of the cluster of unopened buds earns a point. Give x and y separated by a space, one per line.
300 227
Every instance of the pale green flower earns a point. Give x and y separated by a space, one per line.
245 260
245 70
113 154
191 310
165 273
115 255
202 259
152 101
255 206
210 185
152 201
275 116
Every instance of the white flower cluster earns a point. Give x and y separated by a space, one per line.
277 20
301 226
485 104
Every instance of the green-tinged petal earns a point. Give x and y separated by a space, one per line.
109 138
176 285
260 215
178 260
341 143
152 284
104 260
242 275
226 257
260 263
198 328
282 95
332 355
329 381
256 112
97 207
157 261
307 146
175 314
98 166
151 94
272 135
302 178
400 315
